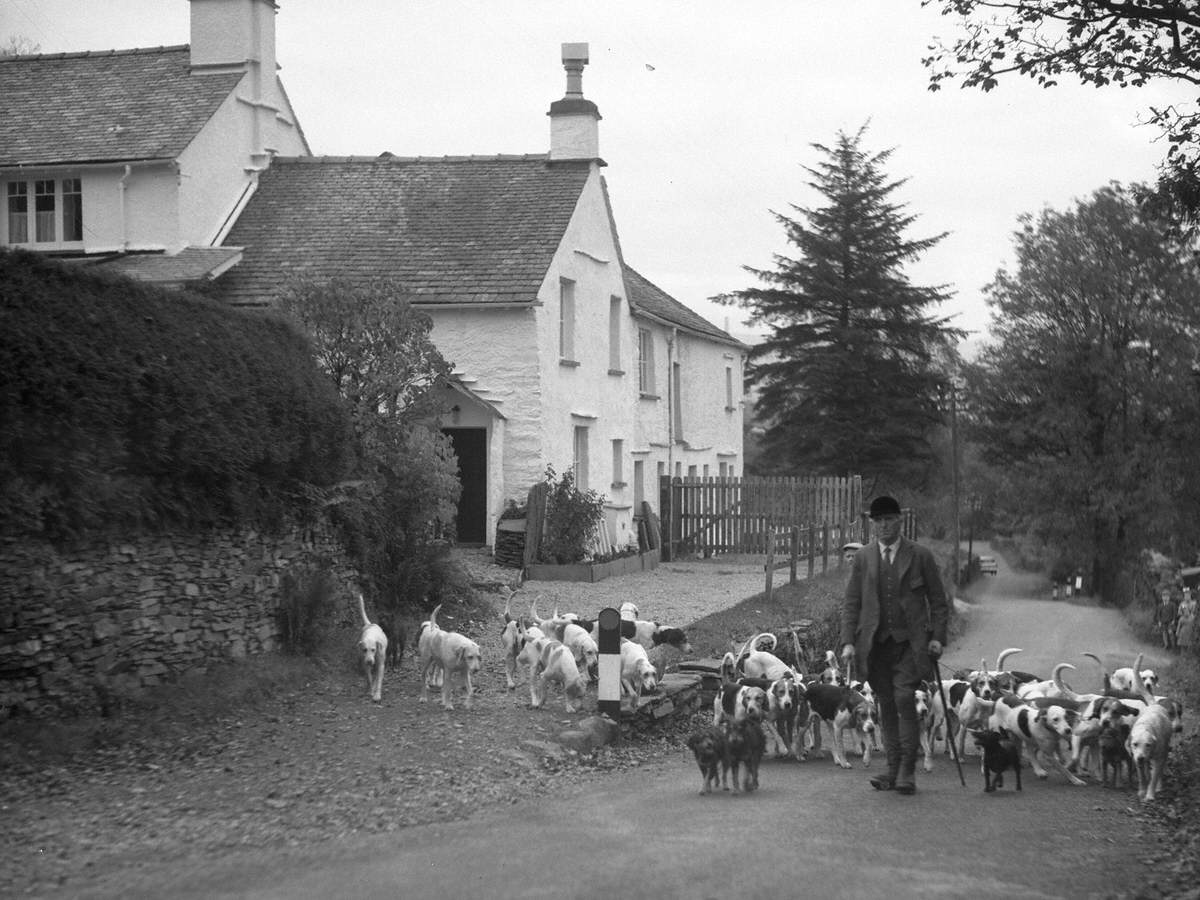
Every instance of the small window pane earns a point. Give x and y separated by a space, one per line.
72 209
43 200
18 213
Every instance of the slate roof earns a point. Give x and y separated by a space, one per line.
470 229
188 265
115 105
645 296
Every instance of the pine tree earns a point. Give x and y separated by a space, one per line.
846 378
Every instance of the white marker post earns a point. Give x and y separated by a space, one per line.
608 692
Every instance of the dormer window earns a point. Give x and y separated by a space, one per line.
44 211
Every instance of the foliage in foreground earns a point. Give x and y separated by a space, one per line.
1101 44
396 513
128 406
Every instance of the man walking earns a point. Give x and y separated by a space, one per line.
894 620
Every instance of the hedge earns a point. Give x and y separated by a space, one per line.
126 405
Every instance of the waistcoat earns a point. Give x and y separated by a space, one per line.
892 620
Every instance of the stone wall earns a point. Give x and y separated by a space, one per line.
82 627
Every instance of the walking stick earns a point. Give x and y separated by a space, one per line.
937 671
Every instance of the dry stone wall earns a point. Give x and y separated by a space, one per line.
81 628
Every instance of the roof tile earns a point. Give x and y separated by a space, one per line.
104 107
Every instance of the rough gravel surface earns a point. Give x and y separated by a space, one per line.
321 761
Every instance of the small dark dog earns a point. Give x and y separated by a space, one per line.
1000 753
745 744
397 636
1114 755
708 745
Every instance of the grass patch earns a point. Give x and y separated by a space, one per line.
818 599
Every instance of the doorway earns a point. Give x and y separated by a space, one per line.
470 446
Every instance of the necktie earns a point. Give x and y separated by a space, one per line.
887 555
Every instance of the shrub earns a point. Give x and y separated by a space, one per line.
129 405
306 600
572 517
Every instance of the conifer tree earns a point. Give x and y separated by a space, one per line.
846 379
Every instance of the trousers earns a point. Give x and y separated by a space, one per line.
894 679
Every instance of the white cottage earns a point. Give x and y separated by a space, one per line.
563 355
143 158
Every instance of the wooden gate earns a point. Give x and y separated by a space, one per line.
707 516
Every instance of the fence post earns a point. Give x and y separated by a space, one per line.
812 549
770 566
824 547
794 554
667 518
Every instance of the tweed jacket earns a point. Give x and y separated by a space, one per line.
920 594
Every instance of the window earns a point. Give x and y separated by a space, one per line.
723 469
72 205
729 387
618 464
614 335
18 212
639 485
581 457
43 204
645 361
54 217
566 319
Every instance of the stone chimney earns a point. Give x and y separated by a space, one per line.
236 35
239 36
574 121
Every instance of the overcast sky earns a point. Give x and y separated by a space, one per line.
709 110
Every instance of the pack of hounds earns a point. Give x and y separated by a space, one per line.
560 651
1013 717
1124 730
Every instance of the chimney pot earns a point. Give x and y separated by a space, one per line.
573 120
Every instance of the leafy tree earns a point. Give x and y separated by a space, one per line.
1087 398
1100 42
376 349
846 379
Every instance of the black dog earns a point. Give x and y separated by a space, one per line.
708 745
397 637
1114 755
745 744
1000 753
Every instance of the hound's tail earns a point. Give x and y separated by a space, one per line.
1064 688
433 622
362 608
1005 654
1140 683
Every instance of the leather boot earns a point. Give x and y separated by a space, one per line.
905 782
885 781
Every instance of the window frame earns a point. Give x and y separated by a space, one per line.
566 320
59 212
646 382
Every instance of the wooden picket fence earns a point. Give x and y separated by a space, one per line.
713 516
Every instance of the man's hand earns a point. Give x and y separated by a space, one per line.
848 653
935 649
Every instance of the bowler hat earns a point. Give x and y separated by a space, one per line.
884 506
